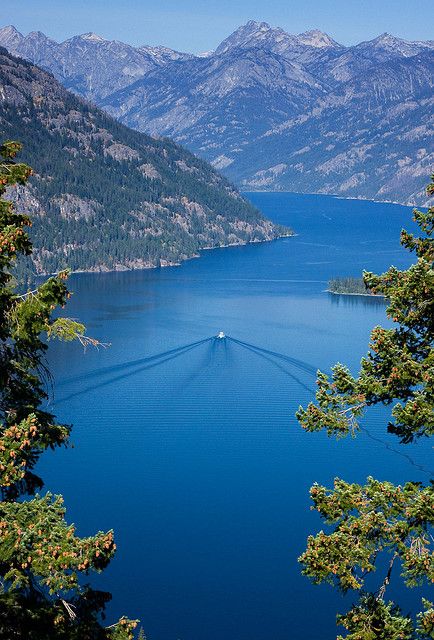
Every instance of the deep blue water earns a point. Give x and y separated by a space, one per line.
194 457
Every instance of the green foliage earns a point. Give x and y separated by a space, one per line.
399 367
368 520
373 619
425 620
368 523
354 286
33 617
41 557
65 329
36 541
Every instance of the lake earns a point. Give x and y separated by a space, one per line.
188 447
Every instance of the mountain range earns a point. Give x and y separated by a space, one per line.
271 110
105 197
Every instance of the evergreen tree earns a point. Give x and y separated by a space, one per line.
378 519
41 557
141 635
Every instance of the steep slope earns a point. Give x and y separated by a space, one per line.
363 129
218 104
105 197
371 137
279 111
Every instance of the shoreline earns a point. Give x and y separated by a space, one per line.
365 295
123 269
339 197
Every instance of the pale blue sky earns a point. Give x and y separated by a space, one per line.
199 25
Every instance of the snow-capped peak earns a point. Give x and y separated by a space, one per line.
317 38
91 37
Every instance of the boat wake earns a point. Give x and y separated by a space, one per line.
149 363
279 360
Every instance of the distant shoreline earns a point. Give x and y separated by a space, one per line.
339 197
345 293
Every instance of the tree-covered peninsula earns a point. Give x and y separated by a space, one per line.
349 286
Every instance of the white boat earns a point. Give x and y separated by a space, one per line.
221 335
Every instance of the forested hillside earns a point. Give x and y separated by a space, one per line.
106 197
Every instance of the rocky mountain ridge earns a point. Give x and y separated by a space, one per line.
271 110
88 64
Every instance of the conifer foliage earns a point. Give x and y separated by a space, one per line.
380 524
41 556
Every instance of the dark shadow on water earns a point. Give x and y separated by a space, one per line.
352 301
221 350
216 347
131 373
279 366
202 365
265 353
130 363
299 364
